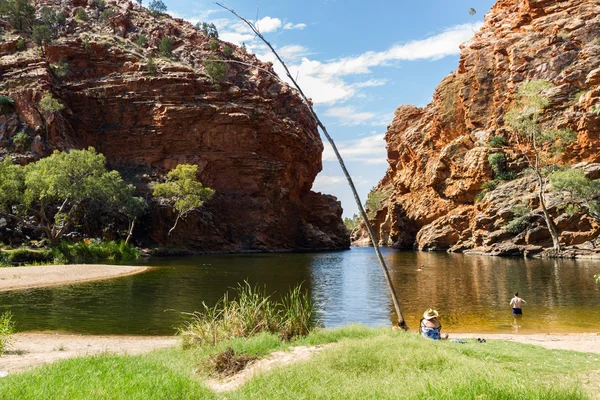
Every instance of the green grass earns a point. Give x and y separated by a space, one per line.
251 312
70 253
364 364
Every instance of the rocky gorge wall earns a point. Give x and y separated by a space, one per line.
253 139
438 155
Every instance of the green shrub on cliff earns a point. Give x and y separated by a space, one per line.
376 200
21 141
165 48
19 13
577 190
151 65
497 141
227 51
216 69
6 104
81 15
183 190
157 7
142 40
50 104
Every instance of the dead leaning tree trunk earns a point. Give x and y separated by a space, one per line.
388 279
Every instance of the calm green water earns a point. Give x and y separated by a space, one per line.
471 293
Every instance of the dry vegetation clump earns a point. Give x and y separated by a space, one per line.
229 363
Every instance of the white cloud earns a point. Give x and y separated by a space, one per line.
324 81
291 52
268 24
349 115
323 183
290 26
369 150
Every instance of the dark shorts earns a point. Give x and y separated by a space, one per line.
517 311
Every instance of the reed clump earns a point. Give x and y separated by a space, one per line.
249 313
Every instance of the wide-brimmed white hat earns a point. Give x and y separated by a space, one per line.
430 314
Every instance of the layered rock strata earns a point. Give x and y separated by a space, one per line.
438 155
253 139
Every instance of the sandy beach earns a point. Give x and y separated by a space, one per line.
34 349
18 278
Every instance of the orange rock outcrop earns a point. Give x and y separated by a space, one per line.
438 155
251 136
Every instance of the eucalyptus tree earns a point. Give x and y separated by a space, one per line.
50 195
183 190
540 146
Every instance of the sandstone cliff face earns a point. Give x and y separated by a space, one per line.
438 155
252 138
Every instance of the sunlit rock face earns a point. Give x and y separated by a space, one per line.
253 139
438 155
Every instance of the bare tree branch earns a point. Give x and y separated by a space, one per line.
401 321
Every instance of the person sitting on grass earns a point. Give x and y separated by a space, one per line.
430 326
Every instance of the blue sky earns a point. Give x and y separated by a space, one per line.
358 61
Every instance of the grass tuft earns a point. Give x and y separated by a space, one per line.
250 313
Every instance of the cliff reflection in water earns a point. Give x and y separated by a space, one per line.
471 293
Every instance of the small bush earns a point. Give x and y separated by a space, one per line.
157 7
142 40
214 44
7 328
6 104
497 141
165 48
497 162
520 220
227 51
107 14
376 200
61 69
479 196
81 15
50 104
216 69
42 35
229 363
151 65
21 140
252 312
21 45
491 185
517 225
88 251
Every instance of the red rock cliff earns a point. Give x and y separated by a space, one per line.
252 138
438 155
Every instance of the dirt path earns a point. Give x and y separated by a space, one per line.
17 278
34 349
274 360
584 342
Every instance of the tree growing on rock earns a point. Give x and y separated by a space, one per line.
582 194
183 190
165 48
157 7
539 145
19 13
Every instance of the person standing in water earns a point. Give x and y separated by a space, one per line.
517 303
